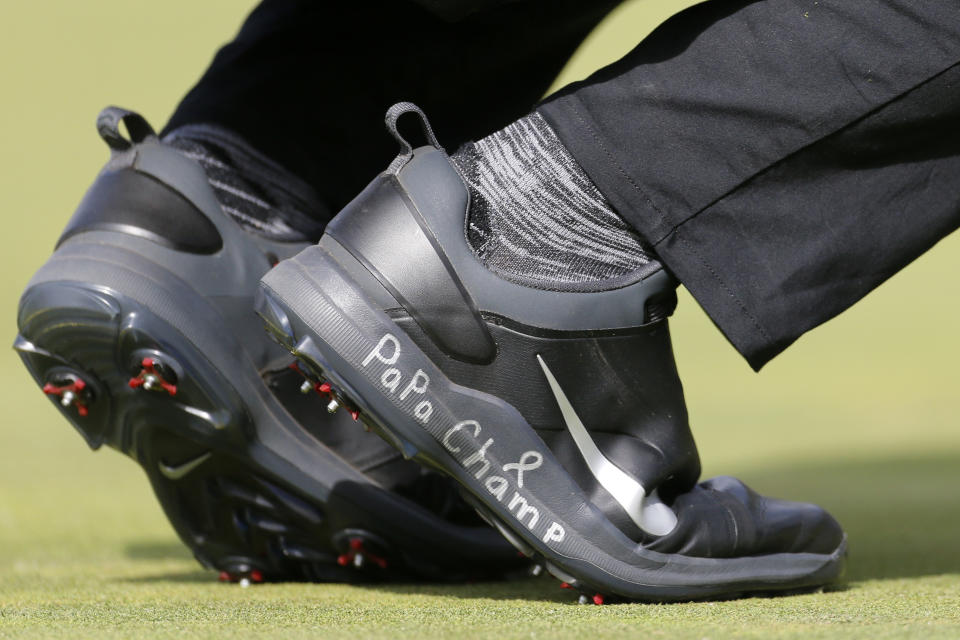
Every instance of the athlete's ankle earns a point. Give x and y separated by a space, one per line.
536 218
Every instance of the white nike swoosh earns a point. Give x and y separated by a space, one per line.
646 511
176 472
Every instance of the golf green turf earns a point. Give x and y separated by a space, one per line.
860 415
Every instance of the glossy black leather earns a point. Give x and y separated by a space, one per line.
724 518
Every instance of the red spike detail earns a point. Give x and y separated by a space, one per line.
76 387
355 415
149 367
597 599
323 387
356 546
565 585
256 576
224 577
52 390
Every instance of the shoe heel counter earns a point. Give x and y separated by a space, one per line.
134 193
383 229
129 201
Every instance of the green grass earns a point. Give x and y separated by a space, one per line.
861 415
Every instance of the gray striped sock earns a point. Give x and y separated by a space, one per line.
536 218
258 194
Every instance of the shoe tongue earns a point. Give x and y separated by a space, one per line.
255 192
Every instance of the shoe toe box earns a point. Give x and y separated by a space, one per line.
723 517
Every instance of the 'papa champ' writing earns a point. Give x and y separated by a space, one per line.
387 352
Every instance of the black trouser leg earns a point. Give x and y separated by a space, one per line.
784 157
307 83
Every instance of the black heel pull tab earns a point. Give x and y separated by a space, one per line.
108 126
406 149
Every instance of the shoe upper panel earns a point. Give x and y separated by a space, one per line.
624 389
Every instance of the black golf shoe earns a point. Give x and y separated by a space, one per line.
560 412
140 328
